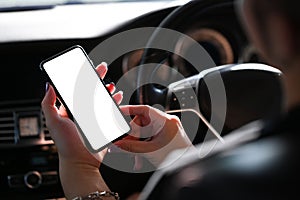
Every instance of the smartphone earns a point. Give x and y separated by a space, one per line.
84 95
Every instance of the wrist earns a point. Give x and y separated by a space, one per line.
80 179
92 160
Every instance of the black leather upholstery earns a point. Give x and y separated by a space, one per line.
264 168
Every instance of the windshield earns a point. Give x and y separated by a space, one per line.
19 4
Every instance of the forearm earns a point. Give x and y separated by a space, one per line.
80 179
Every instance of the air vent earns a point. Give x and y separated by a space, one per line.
23 124
45 129
7 127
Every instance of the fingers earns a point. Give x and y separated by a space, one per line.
111 87
50 96
118 97
131 137
62 111
135 110
147 114
141 119
136 146
102 70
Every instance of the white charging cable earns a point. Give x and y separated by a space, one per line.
211 128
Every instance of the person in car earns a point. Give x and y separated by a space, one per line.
264 166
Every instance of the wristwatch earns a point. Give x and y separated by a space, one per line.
98 196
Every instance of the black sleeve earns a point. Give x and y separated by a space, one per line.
263 169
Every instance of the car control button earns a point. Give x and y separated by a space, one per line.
33 179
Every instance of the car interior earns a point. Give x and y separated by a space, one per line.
31 31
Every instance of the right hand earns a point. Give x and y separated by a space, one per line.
164 132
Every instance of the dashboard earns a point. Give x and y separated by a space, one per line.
28 157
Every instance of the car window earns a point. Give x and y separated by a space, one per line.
21 4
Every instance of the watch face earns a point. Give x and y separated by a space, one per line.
29 126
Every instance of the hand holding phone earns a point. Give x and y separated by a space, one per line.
85 97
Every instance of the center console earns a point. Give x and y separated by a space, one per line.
28 157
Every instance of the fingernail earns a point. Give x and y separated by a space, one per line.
104 64
110 87
121 92
47 87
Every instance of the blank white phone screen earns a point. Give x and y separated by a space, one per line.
84 94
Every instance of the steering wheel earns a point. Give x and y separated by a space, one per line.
202 93
153 93
200 58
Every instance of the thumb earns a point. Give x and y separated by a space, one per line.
48 105
136 146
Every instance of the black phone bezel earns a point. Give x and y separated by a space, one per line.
70 115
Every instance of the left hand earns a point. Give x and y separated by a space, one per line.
73 155
64 132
